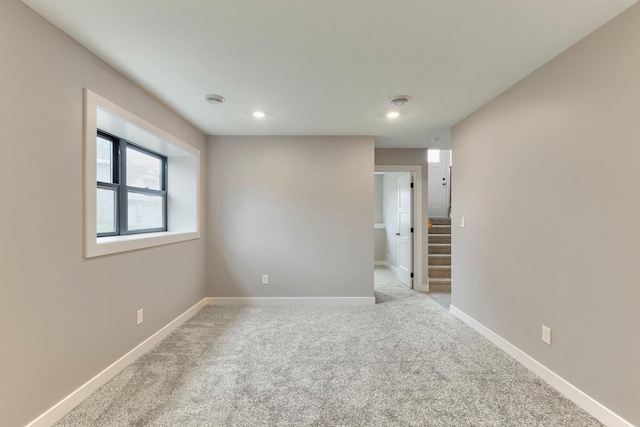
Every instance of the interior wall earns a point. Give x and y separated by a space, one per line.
378 213
411 156
296 208
547 178
65 318
390 209
379 234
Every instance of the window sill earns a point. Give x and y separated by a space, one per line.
116 244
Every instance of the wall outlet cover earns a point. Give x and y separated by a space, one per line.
546 334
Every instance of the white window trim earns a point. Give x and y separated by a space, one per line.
184 179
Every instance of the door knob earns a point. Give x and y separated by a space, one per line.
397 234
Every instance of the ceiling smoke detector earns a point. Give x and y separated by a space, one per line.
214 99
399 100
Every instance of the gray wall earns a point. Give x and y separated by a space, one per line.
411 156
379 244
378 214
63 318
379 235
547 176
296 208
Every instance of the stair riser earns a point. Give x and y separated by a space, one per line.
439 249
439 273
439 260
440 287
440 230
440 221
434 238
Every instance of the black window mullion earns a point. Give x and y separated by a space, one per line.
122 196
145 191
165 187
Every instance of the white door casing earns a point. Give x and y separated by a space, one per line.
419 234
405 225
438 179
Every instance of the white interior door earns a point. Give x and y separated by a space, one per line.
438 183
405 237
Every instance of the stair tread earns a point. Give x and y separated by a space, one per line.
435 267
439 254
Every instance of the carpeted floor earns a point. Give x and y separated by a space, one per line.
403 362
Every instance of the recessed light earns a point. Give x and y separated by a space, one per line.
214 99
259 114
399 100
393 115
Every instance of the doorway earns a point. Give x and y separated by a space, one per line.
397 232
439 180
439 236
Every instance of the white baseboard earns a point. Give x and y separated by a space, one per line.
290 300
380 263
61 408
392 268
422 287
592 406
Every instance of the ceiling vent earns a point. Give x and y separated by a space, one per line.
214 99
399 100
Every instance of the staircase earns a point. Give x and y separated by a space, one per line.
440 255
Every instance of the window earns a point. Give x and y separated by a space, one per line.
142 184
433 156
140 205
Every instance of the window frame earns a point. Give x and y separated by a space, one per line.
119 185
184 202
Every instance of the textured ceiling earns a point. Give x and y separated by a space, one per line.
328 67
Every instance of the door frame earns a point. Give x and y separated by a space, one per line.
447 175
418 225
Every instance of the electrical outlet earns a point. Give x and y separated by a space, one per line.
265 279
462 221
139 317
546 334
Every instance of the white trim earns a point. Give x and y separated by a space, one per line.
291 300
424 287
380 263
392 268
183 160
592 406
379 226
114 244
417 218
61 408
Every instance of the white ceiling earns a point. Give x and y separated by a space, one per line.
328 67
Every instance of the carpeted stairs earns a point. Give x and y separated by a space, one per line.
440 255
